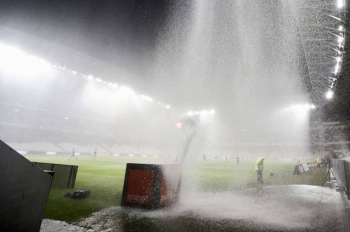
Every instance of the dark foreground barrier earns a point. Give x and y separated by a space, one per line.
65 175
341 170
151 186
24 189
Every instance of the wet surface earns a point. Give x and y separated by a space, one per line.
275 208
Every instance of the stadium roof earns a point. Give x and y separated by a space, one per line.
321 25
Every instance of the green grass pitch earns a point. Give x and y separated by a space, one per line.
105 179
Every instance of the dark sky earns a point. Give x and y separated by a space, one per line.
122 33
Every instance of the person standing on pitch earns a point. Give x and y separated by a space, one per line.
237 158
298 160
73 154
259 167
95 154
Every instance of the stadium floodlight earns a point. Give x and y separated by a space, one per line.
190 113
340 39
338 59
126 90
307 106
15 61
313 106
110 84
98 80
66 118
90 77
74 72
340 3
147 98
341 28
336 69
204 112
212 111
167 106
329 94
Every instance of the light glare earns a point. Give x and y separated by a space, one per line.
147 98
340 3
329 94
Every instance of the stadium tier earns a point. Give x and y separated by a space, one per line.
35 147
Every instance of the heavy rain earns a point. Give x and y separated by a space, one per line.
197 115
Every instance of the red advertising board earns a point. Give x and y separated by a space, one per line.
151 186
167 193
140 187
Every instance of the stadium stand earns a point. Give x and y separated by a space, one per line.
90 148
40 147
123 149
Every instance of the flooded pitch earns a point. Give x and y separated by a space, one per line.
277 208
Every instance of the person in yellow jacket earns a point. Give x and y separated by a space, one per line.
259 167
298 160
318 161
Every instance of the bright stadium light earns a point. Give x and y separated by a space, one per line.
212 111
15 61
190 113
313 106
90 77
74 72
147 98
126 90
340 39
110 84
336 69
341 28
98 80
340 3
329 94
338 59
167 106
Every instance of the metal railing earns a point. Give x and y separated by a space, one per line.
341 170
